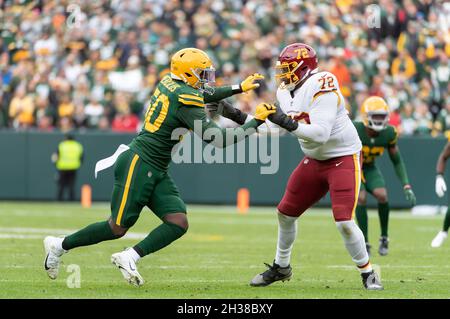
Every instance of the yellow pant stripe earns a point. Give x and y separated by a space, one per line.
357 182
127 189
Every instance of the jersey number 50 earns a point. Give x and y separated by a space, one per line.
156 112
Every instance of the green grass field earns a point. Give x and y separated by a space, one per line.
217 258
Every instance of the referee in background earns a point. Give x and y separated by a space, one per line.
68 159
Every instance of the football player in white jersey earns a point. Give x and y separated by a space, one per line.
313 109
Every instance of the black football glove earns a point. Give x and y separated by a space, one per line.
212 109
226 109
282 120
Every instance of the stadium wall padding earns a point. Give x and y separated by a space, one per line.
27 173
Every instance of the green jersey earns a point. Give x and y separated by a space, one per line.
175 105
374 146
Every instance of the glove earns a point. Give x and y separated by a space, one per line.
249 83
409 194
283 120
227 110
263 110
441 187
212 109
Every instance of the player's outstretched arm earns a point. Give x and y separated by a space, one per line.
195 119
400 171
222 92
226 109
322 117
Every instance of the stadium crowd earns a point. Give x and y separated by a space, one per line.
94 65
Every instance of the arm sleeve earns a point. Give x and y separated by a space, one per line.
399 166
221 92
196 120
322 117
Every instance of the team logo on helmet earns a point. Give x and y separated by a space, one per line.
295 63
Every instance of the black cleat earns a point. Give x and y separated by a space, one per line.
274 273
368 248
383 249
371 281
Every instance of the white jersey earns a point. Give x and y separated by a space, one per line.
325 130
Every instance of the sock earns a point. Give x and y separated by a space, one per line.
133 254
287 232
383 213
159 238
363 220
89 235
58 245
355 244
447 221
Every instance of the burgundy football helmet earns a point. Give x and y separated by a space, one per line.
295 63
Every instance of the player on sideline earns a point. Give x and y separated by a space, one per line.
316 114
141 177
441 188
376 136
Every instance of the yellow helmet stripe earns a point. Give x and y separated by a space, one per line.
188 102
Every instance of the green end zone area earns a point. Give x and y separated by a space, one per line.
218 256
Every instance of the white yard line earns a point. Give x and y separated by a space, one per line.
26 232
299 268
39 233
61 211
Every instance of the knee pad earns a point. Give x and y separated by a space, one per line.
286 220
348 229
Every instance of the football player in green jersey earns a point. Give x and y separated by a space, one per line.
140 173
376 136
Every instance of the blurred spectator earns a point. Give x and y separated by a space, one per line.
65 124
99 72
93 111
403 66
424 120
442 124
21 108
408 121
103 124
125 121
66 108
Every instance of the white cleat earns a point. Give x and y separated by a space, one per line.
53 254
439 239
128 268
